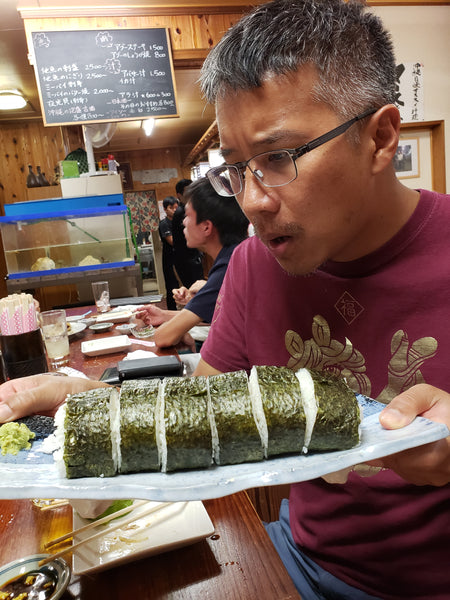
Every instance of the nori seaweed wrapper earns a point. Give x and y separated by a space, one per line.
88 445
283 409
238 437
40 425
338 415
139 450
187 425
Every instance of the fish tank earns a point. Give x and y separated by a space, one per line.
66 241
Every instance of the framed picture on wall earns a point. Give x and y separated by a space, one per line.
126 176
406 159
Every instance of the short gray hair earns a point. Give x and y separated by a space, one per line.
349 47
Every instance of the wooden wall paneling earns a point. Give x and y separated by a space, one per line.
186 31
12 176
141 160
26 143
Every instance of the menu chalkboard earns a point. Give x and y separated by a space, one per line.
88 76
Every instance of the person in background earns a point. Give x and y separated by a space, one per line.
170 204
187 261
348 272
215 227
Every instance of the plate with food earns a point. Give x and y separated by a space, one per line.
183 439
75 328
149 528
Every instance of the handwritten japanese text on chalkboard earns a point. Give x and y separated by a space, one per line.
113 75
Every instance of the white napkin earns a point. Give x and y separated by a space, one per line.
139 354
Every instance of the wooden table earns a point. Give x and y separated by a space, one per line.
238 562
93 366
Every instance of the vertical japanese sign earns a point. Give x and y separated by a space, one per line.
409 99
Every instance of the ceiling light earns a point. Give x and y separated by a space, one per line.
11 100
148 125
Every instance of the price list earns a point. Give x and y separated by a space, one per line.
87 76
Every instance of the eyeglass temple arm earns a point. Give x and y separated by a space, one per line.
334 132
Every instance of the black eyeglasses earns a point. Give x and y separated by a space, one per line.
274 168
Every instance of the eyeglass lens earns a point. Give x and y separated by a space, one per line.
271 168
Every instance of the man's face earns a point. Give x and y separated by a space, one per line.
320 215
170 210
193 232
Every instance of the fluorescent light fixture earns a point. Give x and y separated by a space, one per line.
11 100
148 125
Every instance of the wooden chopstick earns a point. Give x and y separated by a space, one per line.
132 518
114 515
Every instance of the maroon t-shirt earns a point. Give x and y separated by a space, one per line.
381 321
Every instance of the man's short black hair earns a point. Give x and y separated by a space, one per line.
169 201
180 185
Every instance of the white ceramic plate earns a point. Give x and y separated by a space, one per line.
174 525
20 566
108 345
115 316
33 474
75 328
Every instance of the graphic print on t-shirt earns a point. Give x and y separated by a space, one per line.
324 353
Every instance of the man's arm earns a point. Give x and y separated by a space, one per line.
203 368
171 332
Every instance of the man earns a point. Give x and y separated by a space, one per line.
187 261
214 227
348 272
170 204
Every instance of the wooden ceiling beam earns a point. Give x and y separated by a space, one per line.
208 139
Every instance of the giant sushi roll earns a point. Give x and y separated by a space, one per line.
184 424
336 426
87 425
235 435
191 423
138 444
278 405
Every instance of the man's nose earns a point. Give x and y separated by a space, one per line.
256 197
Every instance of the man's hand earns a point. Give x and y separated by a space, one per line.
428 464
182 295
39 394
153 315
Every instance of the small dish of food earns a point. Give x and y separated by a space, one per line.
101 327
125 327
24 578
142 333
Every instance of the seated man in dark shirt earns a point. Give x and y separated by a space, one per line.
216 228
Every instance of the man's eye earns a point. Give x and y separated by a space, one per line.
276 157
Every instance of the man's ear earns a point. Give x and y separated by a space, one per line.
384 129
208 227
